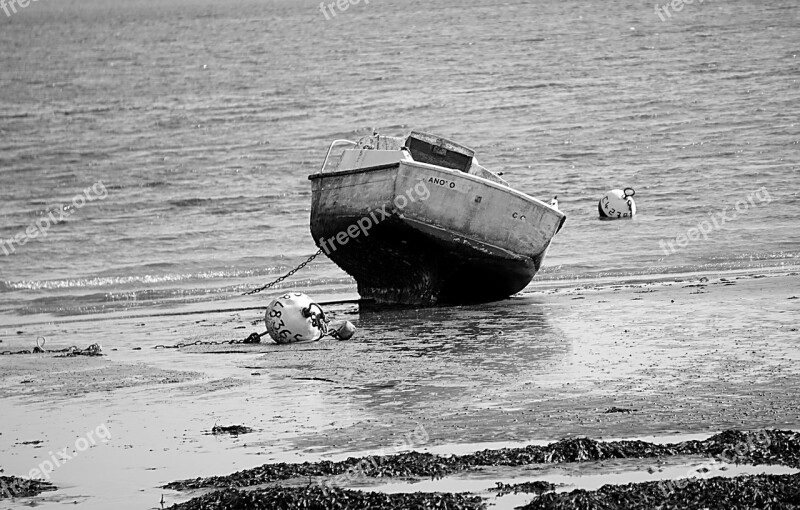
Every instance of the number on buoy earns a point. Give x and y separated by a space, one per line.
294 317
617 204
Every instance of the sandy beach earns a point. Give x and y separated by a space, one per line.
688 356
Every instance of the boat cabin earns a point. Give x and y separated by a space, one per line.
377 150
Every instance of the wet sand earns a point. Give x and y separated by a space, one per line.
690 355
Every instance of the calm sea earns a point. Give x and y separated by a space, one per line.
189 128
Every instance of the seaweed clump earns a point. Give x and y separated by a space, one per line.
392 466
233 430
15 487
538 487
616 409
318 498
772 492
761 447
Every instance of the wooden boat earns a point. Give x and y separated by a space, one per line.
418 221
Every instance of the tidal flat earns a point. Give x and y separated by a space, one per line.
665 362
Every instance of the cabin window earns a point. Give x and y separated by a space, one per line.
433 150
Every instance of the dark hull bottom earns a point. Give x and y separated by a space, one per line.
398 264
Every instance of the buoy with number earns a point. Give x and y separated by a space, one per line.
617 204
295 317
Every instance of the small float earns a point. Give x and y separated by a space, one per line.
418 221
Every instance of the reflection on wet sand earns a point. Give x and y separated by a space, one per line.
453 354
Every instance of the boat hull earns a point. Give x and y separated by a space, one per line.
417 234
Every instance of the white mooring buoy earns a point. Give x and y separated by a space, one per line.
617 204
295 317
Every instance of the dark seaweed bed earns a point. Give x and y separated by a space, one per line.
760 491
15 487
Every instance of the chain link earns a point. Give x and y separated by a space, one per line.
67 352
94 349
287 275
254 338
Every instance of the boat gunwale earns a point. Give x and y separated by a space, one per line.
476 178
367 169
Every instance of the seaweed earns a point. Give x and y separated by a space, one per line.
762 447
538 487
769 492
233 430
619 410
15 487
318 498
401 465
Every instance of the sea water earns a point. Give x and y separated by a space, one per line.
154 155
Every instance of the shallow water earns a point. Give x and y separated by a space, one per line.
201 121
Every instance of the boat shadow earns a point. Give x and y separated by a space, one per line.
501 344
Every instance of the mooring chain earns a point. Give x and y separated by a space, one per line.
254 338
92 350
287 275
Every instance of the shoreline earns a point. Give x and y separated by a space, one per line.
542 366
350 297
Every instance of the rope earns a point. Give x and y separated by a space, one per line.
628 199
287 275
318 319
